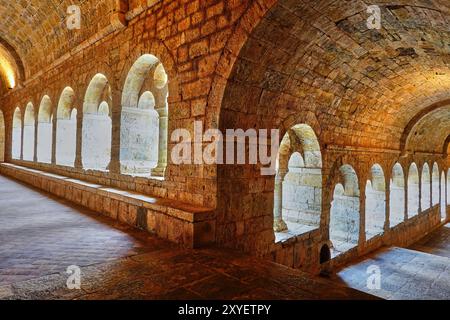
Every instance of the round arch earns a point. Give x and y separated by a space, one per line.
29 133
397 195
144 118
97 124
344 214
17 134
45 131
375 202
413 190
66 128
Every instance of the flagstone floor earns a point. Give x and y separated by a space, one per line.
41 237
419 272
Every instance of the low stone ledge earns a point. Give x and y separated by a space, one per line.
187 225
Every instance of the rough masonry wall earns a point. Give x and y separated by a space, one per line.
262 64
188 37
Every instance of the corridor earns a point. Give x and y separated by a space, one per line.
41 236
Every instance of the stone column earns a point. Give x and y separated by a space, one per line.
406 204
362 216
279 225
114 164
420 193
162 146
79 141
36 132
54 136
387 197
22 134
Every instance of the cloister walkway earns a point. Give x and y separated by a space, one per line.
41 236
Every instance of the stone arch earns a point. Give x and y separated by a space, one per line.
248 22
446 148
2 137
258 82
448 187
45 131
97 124
397 195
375 202
344 214
29 132
17 60
413 190
17 134
425 201
66 129
298 183
435 185
443 206
416 119
144 118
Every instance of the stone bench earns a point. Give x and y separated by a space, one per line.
189 226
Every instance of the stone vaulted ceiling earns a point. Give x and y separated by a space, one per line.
363 87
37 31
430 132
318 58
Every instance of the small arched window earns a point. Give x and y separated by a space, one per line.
66 129
17 134
97 124
144 122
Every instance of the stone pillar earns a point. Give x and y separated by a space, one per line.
36 132
431 191
22 134
162 147
54 136
114 164
387 195
362 216
278 224
79 141
420 192
406 205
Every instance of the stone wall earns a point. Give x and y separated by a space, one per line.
187 225
258 64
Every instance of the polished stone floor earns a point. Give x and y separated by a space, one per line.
40 237
437 243
419 272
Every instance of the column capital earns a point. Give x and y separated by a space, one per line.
281 174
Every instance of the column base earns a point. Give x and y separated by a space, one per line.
158 171
279 225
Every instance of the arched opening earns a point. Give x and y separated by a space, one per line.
144 119
28 133
443 207
397 196
413 191
2 137
426 187
375 202
325 254
97 124
344 216
435 185
298 183
66 129
17 134
45 130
